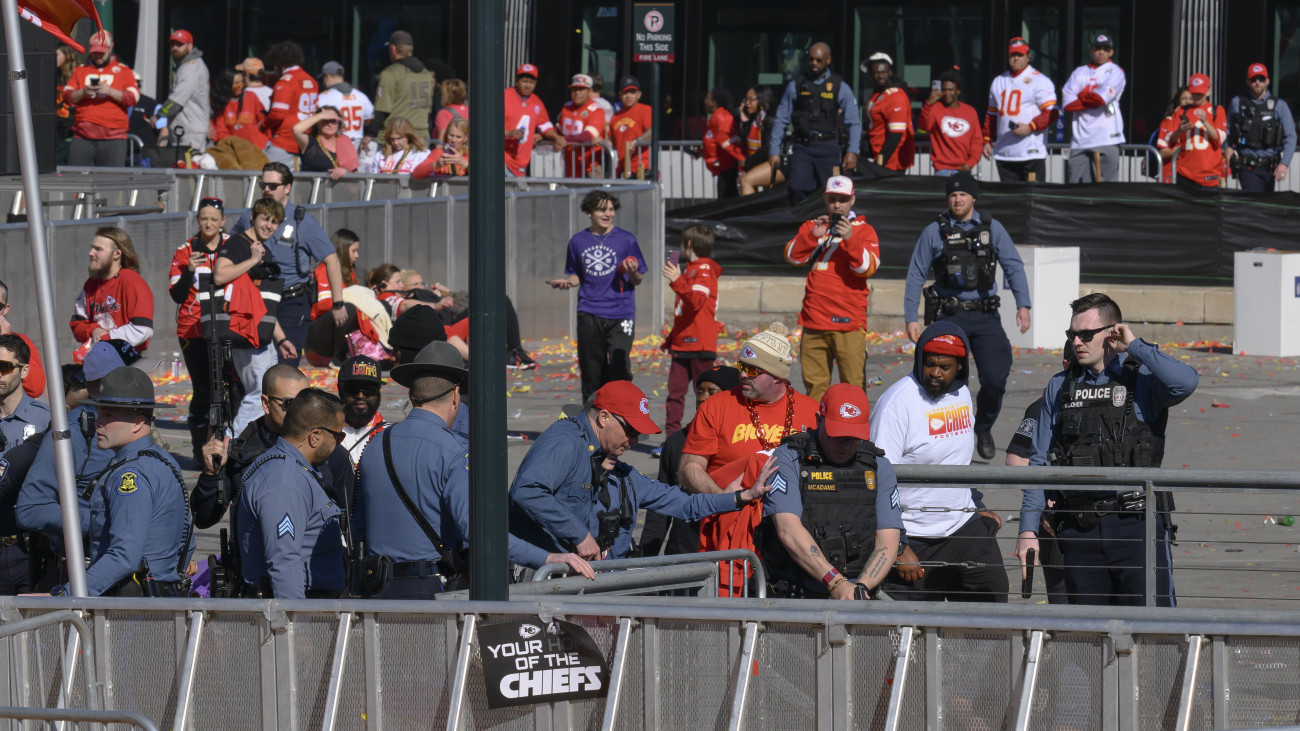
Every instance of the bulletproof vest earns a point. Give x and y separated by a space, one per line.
816 107
1256 126
214 309
1098 425
839 512
969 261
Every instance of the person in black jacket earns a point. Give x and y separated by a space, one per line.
757 108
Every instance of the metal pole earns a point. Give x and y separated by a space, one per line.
656 101
1152 535
45 303
488 472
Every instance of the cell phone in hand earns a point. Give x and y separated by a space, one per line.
92 80
674 257
835 219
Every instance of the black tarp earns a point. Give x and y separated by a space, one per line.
1126 232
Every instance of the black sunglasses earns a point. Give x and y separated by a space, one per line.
270 186
6 367
281 402
338 435
1086 336
627 428
211 203
361 387
1258 78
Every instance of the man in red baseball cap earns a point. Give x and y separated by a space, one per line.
526 121
572 491
834 484
100 92
1261 137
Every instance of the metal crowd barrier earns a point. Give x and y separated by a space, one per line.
549 162
1131 164
739 664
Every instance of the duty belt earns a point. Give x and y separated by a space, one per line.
987 304
1129 502
818 137
293 291
7 541
1255 162
407 569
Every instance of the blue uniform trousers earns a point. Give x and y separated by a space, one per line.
295 318
1104 565
992 353
810 166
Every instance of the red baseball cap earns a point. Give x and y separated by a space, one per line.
1198 84
1018 45
526 69
845 412
623 399
101 42
180 36
1257 69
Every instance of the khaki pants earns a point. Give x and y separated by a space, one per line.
820 348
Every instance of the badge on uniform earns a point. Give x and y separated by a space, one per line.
1118 395
285 528
4 467
870 476
28 430
128 484
778 483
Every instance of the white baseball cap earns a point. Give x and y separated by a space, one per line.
839 184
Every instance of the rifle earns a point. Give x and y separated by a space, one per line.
226 578
221 414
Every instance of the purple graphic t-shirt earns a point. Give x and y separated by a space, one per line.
603 290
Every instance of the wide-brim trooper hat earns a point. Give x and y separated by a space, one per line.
126 388
438 358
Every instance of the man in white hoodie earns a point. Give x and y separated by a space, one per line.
927 418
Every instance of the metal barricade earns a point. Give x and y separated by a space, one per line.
1133 166
577 161
635 575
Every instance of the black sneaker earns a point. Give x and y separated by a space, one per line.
519 360
984 445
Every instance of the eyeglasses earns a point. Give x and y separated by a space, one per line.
749 370
6 367
750 100
270 186
338 435
627 428
281 402
1086 336
212 203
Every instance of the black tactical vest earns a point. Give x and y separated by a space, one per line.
839 512
1098 426
1256 126
968 261
816 107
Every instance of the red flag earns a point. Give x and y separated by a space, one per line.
58 17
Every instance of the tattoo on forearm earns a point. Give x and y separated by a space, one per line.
812 551
878 562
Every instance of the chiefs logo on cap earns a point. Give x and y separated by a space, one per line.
645 406
748 352
849 411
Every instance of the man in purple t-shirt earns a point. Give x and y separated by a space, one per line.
604 262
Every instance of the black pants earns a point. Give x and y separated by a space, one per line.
1187 183
604 351
328 340
97 153
810 166
15 571
975 541
411 587
728 183
295 318
455 314
1018 171
1105 563
1257 180
992 353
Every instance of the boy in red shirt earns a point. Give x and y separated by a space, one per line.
631 125
843 251
956 142
693 341
1204 127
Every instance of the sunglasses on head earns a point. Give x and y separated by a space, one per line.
212 203
6 367
271 186
1086 336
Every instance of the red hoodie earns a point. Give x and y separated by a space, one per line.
695 324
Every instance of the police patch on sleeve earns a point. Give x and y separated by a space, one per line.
4 467
128 484
285 528
778 483
1027 427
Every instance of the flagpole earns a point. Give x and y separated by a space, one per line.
45 303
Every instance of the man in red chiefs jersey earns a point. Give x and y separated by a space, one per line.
956 141
889 114
101 91
841 250
115 302
526 121
293 99
582 120
1202 129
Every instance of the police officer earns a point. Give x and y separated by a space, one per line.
299 240
832 483
827 126
1261 134
37 508
21 418
141 535
963 250
1109 410
290 538
572 493
413 501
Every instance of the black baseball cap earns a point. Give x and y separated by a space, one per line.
361 369
628 82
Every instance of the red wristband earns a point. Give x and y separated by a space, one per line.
829 577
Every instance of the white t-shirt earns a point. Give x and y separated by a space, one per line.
354 107
398 162
1096 126
1018 99
912 428
263 93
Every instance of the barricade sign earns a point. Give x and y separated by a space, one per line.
530 661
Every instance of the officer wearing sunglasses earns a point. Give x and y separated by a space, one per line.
1110 409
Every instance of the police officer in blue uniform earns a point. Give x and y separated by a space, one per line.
1109 410
827 126
413 501
298 242
964 250
21 419
290 538
1261 134
572 493
141 535
37 508
832 483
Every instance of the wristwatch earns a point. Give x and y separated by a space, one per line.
337 306
60 590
